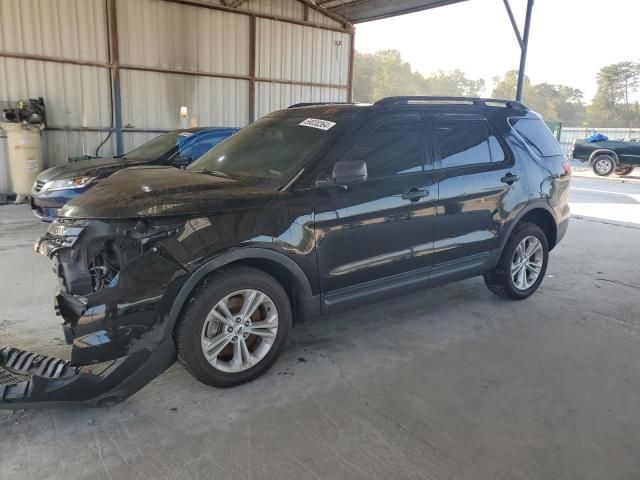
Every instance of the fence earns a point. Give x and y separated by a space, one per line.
569 134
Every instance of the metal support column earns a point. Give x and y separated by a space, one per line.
114 62
523 53
523 41
252 68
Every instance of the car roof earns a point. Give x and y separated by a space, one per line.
205 129
420 101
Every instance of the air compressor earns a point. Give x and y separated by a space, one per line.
23 122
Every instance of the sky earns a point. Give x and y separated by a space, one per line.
569 41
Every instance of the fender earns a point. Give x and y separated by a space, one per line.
225 259
539 204
607 151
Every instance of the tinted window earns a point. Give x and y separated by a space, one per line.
158 147
391 149
537 136
497 153
269 151
462 142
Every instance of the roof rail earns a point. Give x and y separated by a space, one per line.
434 100
311 104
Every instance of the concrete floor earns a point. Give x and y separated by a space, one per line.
449 384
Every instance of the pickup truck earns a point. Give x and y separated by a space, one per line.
613 156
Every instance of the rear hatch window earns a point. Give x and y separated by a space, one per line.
537 136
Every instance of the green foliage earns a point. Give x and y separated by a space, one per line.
612 105
559 103
384 74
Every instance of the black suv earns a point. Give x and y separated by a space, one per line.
309 210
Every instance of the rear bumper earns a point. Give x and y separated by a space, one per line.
29 380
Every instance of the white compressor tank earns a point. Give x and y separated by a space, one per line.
25 156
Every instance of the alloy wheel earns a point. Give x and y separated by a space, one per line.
239 331
527 263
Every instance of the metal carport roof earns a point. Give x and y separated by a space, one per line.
355 11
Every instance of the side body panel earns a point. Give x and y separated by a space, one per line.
475 203
373 231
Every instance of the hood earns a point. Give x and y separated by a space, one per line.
95 167
157 191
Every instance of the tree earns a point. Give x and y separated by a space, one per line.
384 73
554 102
612 105
454 83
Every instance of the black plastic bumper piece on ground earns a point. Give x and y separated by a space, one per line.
30 380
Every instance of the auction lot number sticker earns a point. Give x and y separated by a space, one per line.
317 123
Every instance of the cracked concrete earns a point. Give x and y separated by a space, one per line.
451 383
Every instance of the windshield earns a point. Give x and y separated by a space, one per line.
156 148
268 152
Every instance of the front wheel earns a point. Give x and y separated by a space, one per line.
604 165
234 327
522 265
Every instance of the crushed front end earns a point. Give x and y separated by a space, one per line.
117 282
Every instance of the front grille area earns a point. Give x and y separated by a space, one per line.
56 230
38 186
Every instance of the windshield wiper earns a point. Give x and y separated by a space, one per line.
213 173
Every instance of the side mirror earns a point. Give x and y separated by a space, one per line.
181 161
348 172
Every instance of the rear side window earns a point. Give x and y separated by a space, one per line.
391 149
537 136
463 142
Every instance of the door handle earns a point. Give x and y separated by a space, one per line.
509 178
414 194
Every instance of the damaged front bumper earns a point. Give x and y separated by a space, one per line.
30 380
117 326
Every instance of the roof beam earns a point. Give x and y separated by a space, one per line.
356 11
516 30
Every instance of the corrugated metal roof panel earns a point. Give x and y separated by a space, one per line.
170 35
356 11
74 95
213 101
317 17
277 96
58 146
293 52
70 29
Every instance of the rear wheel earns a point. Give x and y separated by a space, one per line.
234 327
604 165
522 265
624 170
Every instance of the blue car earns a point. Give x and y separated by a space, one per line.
56 186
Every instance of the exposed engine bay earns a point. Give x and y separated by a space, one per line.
88 255
114 318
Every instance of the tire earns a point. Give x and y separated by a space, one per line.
624 170
200 329
603 165
501 282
